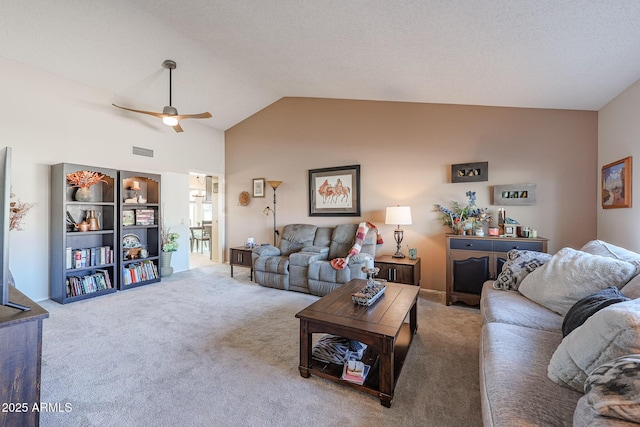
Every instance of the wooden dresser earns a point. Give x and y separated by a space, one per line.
472 260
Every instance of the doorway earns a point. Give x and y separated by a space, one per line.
203 220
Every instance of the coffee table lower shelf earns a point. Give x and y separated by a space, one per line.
371 357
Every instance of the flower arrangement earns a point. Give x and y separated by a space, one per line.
18 212
460 217
84 179
168 239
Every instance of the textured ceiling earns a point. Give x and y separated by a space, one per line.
235 57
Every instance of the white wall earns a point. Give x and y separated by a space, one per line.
619 137
47 120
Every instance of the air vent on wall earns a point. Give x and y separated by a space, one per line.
139 151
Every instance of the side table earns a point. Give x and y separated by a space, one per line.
241 256
399 270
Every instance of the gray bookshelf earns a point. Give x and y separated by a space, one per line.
139 229
83 263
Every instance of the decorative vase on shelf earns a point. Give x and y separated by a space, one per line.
83 194
165 264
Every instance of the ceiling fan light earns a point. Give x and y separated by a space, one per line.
169 121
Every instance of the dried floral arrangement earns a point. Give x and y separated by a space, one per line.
18 211
85 179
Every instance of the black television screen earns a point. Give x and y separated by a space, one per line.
5 215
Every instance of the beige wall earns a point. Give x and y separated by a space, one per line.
405 151
619 137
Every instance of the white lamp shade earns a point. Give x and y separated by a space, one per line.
398 215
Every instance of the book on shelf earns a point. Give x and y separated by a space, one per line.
355 372
139 272
87 284
88 257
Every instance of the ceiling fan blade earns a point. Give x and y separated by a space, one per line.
177 128
151 113
205 115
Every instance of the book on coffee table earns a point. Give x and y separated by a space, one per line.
355 372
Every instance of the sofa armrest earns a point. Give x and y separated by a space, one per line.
266 250
303 259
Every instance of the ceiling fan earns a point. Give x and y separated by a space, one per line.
169 115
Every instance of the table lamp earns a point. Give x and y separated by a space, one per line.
398 215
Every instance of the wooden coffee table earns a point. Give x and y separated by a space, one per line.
381 326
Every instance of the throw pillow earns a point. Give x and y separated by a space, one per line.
588 306
610 333
613 389
518 265
599 247
571 275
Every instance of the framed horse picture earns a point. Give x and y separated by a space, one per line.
334 191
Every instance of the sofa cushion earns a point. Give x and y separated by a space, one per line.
613 389
571 275
632 289
514 308
344 235
514 387
611 332
588 306
296 236
323 236
518 265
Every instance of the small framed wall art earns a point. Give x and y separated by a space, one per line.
616 184
334 191
470 172
515 194
258 187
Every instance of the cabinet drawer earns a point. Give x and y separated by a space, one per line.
506 246
471 244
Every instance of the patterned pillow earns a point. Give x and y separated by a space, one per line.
613 388
519 264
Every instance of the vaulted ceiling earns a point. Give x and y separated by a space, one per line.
235 57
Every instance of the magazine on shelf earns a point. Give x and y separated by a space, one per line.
355 372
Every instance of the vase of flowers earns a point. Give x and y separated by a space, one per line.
169 246
83 180
462 219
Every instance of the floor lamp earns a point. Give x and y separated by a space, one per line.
274 185
398 215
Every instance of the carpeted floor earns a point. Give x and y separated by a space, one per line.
203 349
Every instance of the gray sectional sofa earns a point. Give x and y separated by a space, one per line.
519 338
302 260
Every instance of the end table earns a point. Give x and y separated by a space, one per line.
399 270
241 255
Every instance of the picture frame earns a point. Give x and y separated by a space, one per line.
515 195
334 191
470 172
128 217
616 184
258 187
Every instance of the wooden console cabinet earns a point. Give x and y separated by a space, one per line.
21 342
399 270
471 261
